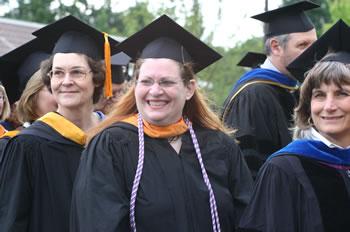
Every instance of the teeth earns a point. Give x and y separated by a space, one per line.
157 103
331 118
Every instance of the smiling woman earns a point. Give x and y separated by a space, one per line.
162 153
42 160
306 185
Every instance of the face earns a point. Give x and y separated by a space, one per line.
162 102
69 92
330 112
2 102
296 45
45 102
107 105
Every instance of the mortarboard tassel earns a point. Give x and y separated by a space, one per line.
108 78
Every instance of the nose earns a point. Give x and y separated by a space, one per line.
330 104
67 80
156 89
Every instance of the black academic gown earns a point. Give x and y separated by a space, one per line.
172 195
37 175
262 114
296 193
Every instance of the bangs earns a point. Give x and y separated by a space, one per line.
329 72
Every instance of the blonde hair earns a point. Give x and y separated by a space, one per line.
6 110
27 103
196 109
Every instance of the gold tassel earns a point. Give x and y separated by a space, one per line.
108 78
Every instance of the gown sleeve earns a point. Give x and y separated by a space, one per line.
16 170
241 183
279 201
99 201
262 127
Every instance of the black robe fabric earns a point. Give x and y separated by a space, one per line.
37 173
297 193
262 114
172 195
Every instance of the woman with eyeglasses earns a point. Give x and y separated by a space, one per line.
39 164
163 161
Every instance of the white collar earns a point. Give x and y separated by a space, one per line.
269 65
317 136
26 124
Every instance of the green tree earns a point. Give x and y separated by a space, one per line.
34 10
339 9
219 78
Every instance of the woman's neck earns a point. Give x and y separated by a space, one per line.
82 117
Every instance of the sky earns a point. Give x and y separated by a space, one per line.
235 24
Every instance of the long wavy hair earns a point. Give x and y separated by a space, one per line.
196 109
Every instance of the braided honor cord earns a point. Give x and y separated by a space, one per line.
138 174
213 208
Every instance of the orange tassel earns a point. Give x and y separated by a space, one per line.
108 78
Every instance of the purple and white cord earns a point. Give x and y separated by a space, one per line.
212 201
138 174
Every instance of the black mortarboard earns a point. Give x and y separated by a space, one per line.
118 62
21 63
252 60
74 36
336 39
164 38
287 19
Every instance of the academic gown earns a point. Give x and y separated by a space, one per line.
296 193
262 114
37 174
172 195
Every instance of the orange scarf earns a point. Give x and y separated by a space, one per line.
172 130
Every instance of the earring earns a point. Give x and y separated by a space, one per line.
309 121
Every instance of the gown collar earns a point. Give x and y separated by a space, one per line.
172 130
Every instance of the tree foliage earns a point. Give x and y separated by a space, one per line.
218 79
339 9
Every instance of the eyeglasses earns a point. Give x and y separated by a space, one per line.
74 74
162 83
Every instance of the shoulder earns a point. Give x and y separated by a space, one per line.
118 132
289 164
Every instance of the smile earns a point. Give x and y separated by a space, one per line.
331 118
157 103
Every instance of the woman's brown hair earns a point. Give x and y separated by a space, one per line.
27 103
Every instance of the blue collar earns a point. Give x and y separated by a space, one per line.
316 150
267 74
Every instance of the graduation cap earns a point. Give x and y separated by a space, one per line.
164 38
252 60
74 36
288 19
118 62
336 39
18 65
